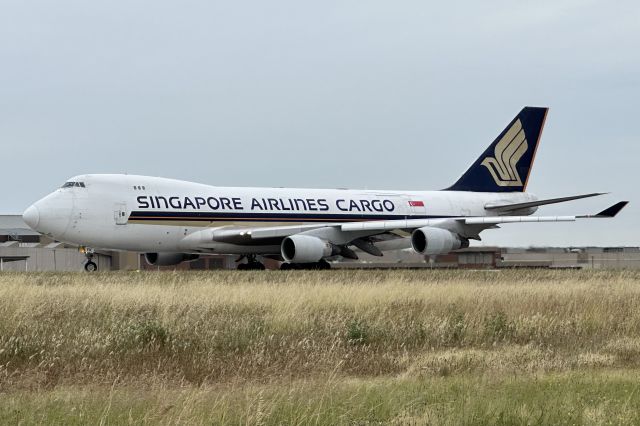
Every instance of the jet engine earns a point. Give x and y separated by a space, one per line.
169 259
431 241
305 249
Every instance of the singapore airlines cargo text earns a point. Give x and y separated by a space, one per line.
269 204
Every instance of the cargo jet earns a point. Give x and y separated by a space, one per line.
173 221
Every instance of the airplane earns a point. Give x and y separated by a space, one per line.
173 221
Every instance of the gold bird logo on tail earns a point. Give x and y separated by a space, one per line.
509 150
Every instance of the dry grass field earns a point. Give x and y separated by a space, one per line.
323 347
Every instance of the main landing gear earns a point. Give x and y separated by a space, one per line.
251 265
90 266
321 265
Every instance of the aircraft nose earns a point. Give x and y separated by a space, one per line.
31 217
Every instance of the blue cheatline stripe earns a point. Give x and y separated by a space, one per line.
283 217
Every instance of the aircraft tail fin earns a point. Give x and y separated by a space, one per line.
505 166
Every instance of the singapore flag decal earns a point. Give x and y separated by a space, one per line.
416 203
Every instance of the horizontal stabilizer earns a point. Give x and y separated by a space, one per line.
519 206
611 211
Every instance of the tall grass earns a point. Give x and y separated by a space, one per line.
237 332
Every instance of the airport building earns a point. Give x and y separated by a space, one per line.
22 249
513 257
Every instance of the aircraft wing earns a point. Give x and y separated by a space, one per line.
409 224
238 235
347 233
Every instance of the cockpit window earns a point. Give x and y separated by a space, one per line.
73 184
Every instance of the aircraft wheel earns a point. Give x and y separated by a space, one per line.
90 266
251 266
323 264
257 266
286 266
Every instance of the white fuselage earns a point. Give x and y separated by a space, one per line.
151 214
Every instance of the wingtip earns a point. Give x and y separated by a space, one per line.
595 194
613 210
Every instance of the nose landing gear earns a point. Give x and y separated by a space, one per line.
90 266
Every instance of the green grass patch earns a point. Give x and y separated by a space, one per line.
561 399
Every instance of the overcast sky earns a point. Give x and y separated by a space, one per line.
361 94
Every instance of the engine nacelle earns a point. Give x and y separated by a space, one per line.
305 249
431 241
169 259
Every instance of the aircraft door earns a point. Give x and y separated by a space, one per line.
120 214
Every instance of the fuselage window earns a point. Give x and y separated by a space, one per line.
74 184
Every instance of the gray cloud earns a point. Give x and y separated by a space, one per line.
370 94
